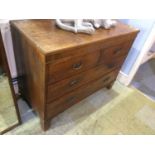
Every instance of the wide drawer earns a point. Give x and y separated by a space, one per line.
78 64
57 106
60 88
72 66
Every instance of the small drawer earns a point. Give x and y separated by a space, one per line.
71 66
62 87
66 101
108 55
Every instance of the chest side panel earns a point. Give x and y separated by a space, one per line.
31 70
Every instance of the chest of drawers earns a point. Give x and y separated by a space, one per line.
57 68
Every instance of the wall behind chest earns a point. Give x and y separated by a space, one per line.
145 27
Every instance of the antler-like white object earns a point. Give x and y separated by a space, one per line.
84 25
104 23
78 25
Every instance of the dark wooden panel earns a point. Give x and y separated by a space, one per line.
70 99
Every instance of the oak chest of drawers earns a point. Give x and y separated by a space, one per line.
58 68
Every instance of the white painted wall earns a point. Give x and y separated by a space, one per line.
145 27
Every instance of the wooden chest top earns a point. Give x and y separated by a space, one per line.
45 35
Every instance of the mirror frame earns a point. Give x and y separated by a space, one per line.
7 71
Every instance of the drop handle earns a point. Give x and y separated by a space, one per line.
71 99
117 50
77 66
106 79
73 82
111 65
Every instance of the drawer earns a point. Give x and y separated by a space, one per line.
108 55
60 88
54 108
72 66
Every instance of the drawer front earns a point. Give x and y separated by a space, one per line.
60 88
54 108
72 66
108 55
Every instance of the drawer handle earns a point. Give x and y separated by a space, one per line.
117 50
73 82
77 65
106 79
71 100
110 65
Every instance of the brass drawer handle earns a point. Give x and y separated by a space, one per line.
111 65
73 82
117 50
106 79
71 100
77 65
